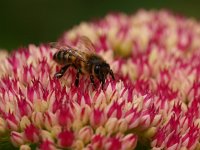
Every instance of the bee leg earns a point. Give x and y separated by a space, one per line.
102 83
77 77
112 74
92 80
61 72
102 80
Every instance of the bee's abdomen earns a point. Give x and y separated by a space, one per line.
59 57
64 57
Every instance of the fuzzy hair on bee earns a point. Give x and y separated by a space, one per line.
84 59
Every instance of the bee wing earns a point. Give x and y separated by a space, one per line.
85 44
59 46
73 51
78 54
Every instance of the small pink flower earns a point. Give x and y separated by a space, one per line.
17 138
97 142
97 118
129 141
32 133
113 144
65 139
12 121
64 116
47 145
85 134
189 139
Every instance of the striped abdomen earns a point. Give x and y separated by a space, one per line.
64 57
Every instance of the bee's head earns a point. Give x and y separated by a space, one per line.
101 71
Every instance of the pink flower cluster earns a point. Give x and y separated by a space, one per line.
154 101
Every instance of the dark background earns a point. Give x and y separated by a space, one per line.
37 21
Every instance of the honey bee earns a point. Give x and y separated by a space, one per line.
84 59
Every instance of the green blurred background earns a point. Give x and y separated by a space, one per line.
37 21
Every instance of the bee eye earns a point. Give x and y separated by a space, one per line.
97 69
